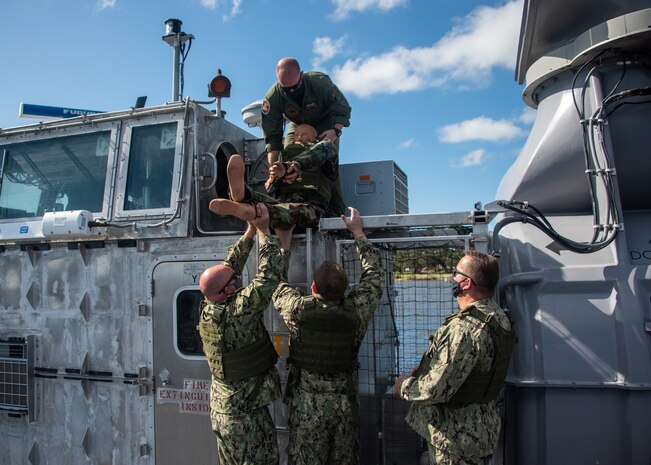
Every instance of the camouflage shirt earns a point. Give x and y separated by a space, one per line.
245 323
290 303
454 351
319 168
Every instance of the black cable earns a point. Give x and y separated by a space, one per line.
597 162
542 224
184 55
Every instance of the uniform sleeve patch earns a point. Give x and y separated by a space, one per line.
265 107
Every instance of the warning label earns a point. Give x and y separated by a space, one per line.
193 398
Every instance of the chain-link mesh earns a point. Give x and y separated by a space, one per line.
416 300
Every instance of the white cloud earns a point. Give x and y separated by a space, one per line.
409 143
481 128
484 39
474 158
528 115
345 7
235 7
104 4
324 49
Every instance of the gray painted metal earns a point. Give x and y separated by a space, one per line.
550 24
553 152
375 187
579 390
401 221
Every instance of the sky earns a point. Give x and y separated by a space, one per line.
430 82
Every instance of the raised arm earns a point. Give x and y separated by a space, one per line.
238 253
369 291
256 296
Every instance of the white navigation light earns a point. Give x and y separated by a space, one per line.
252 114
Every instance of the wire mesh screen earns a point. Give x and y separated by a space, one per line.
416 300
14 377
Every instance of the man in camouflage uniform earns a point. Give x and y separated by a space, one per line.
300 201
455 388
311 98
322 390
240 353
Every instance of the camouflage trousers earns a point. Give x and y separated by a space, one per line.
438 457
322 430
247 438
283 215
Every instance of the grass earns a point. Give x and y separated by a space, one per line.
398 276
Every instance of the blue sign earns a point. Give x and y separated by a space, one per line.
42 111
24 229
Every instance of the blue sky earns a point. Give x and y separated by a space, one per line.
430 81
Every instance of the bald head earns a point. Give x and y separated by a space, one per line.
288 71
212 282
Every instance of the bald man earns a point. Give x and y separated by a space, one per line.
304 97
239 351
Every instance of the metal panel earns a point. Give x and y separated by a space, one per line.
375 187
182 382
90 345
548 25
581 371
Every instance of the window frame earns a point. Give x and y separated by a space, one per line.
175 323
31 227
123 170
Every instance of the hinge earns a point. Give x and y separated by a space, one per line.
142 310
144 450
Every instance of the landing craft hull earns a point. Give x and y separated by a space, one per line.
98 347
100 359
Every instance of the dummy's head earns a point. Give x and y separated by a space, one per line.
330 282
218 283
304 133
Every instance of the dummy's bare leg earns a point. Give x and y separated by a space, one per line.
243 211
235 172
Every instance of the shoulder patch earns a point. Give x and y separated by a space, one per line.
265 107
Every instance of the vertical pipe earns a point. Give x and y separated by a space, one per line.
308 258
175 68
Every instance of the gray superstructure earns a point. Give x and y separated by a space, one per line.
580 386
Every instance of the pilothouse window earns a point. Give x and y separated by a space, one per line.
151 167
56 174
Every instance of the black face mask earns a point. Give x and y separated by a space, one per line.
456 289
297 95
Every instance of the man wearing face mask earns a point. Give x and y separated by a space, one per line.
239 351
455 388
305 98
